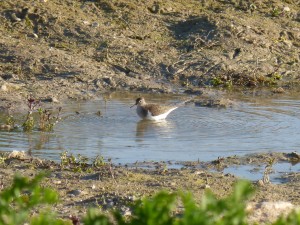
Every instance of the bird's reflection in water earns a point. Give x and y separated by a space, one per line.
149 128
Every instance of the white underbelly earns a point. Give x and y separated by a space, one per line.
159 117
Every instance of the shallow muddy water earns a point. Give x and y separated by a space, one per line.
252 125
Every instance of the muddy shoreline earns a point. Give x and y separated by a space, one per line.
109 186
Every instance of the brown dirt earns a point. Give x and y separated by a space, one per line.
113 187
75 49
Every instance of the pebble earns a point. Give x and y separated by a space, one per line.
75 192
9 87
95 24
205 186
132 198
110 203
17 154
5 127
4 87
56 181
173 184
126 211
260 183
278 90
199 172
51 99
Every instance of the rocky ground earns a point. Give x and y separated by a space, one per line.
74 49
106 186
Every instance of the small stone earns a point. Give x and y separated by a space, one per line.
10 87
286 9
126 211
50 99
205 186
95 24
279 90
132 198
260 183
173 184
75 192
4 87
5 127
110 203
199 172
7 76
17 155
56 181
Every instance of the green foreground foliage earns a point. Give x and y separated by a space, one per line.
24 195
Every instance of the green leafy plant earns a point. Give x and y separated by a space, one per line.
76 164
275 12
10 120
216 81
23 195
160 210
46 120
29 122
99 162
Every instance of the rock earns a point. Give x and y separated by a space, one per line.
260 183
173 184
132 198
50 99
56 181
205 186
5 127
95 25
75 192
278 90
109 81
6 87
7 76
199 172
126 211
17 155
110 203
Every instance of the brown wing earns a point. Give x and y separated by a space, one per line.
156 110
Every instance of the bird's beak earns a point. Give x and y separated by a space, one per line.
132 105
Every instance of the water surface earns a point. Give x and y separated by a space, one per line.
253 125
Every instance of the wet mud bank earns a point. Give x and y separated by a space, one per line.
107 186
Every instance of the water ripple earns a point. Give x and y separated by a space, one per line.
113 130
